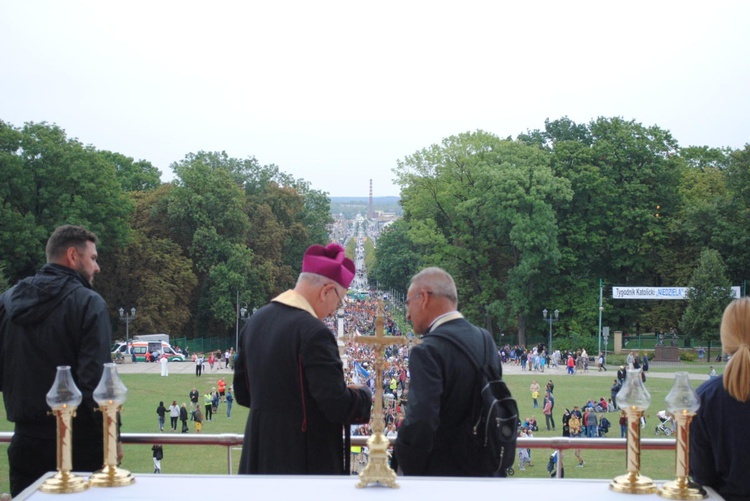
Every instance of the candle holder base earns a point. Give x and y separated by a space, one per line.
111 476
682 489
633 483
64 482
377 470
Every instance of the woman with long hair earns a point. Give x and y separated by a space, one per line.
719 438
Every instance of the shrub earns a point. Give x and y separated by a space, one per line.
573 341
688 356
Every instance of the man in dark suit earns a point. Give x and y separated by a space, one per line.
443 381
288 371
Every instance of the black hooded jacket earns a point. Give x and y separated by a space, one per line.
53 318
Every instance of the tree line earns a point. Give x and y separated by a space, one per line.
182 252
537 221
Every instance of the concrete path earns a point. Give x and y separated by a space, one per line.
174 368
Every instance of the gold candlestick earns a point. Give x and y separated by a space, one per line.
634 399
682 403
64 398
377 469
110 394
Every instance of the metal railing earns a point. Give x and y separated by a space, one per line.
230 440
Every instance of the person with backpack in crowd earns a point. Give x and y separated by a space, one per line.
432 438
161 412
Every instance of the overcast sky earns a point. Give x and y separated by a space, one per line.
335 92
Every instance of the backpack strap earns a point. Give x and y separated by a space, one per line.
463 349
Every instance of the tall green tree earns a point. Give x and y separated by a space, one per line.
397 259
484 208
47 180
625 178
133 175
207 209
245 227
710 292
732 236
152 275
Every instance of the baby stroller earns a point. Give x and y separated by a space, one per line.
666 424
552 466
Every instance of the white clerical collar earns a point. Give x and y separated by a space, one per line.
445 317
295 300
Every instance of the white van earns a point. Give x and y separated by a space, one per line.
140 349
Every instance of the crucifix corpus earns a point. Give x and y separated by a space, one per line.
377 469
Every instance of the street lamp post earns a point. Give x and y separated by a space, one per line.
127 317
241 313
551 318
601 309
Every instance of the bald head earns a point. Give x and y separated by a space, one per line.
438 281
432 293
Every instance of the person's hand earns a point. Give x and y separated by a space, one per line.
120 454
366 389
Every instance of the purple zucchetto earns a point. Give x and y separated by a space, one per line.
331 262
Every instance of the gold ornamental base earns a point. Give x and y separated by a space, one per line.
111 476
682 488
633 483
64 482
377 470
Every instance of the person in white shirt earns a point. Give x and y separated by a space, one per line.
164 368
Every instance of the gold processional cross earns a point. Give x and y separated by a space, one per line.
377 469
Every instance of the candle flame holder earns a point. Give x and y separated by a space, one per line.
682 404
110 394
64 398
634 399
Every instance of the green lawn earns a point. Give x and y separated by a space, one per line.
577 390
146 390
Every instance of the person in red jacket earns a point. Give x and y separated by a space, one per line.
571 365
222 388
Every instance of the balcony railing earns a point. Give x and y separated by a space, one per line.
231 440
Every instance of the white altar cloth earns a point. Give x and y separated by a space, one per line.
332 488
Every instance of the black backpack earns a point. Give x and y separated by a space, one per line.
494 417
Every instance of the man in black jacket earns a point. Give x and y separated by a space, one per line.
53 318
443 381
